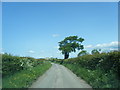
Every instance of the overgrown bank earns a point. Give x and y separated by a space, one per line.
99 70
20 72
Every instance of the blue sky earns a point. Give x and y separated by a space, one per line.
34 29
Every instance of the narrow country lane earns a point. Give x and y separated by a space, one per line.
59 76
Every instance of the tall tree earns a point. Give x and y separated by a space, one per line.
70 44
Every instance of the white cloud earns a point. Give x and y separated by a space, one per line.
111 46
55 35
113 49
31 51
51 56
114 43
89 46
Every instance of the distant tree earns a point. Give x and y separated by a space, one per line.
70 44
95 51
83 52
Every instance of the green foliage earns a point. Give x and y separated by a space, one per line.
96 78
105 61
26 77
20 72
100 70
12 64
83 52
95 51
70 44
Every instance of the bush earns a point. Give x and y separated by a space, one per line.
105 61
24 78
12 64
99 70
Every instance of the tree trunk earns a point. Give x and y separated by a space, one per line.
66 55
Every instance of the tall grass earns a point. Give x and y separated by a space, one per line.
20 72
96 78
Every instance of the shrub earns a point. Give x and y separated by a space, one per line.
99 70
12 64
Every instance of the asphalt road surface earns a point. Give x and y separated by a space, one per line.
59 76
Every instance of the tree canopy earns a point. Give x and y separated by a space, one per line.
95 51
70 44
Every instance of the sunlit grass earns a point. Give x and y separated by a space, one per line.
25 78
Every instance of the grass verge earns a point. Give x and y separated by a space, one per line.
96 78
25 78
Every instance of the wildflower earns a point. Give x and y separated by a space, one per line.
88 70
101 60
